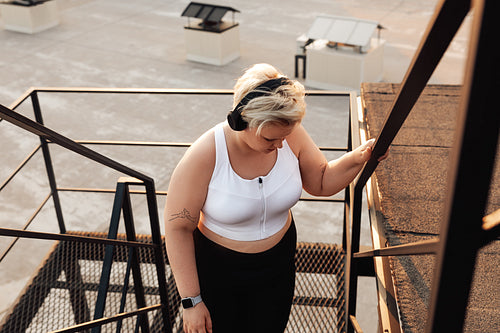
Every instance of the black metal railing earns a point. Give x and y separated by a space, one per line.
47 135
110 244
462 233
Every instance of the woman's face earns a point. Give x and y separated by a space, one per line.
270 137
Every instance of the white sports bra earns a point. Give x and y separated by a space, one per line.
250 209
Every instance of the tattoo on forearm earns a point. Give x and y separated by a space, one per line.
184 214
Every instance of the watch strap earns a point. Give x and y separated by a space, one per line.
189 302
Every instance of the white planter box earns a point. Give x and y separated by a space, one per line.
343 68
214 48
30 19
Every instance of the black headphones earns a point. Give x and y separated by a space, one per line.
234 117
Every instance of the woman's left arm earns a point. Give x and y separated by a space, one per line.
323 178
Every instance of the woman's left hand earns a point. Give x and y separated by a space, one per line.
366 150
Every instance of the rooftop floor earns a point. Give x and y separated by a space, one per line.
112 43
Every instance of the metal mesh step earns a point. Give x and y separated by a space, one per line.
63 291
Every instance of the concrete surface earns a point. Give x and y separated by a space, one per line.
112 43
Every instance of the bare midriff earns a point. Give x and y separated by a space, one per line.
247 246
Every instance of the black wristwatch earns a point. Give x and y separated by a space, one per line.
189 302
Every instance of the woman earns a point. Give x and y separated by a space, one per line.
229 231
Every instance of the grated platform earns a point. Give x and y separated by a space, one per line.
63 291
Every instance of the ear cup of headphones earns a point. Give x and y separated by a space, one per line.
235 121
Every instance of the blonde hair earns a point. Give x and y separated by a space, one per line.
285 105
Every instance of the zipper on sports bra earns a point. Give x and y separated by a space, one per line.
263 201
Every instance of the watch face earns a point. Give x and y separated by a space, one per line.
187 303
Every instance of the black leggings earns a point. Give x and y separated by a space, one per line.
247 292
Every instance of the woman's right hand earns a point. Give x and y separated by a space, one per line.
197 319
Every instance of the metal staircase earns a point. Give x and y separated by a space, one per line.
64 293
121 282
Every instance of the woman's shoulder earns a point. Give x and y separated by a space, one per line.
202 151
297 139
191 176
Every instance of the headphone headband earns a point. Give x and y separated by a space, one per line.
234 117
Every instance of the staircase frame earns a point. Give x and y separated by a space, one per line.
317 255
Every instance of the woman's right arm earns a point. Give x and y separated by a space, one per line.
185 198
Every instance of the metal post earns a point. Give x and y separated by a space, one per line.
136 270
158 253
471 167
352 289
347 191
48 164
123 300
352 225
108 256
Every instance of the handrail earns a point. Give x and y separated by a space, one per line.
21 99
106 320
26 225
48 134
19 167
108 190
355 324
471 167
415 248
167 144
439 34
446 21
157 91
72 238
